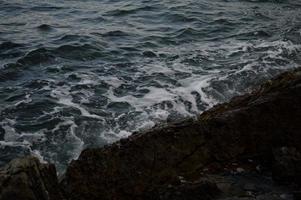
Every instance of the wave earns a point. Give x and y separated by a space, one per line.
48 55
78 52
11 50
116 33
128 11
45 27
37 56
45 8
4 46
176 18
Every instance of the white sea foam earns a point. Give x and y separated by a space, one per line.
156 105
64 98
115 82
10 132
38 155
24 140
26 100
77 142
199 83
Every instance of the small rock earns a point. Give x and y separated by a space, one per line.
240 170
284 196
258 168
250 193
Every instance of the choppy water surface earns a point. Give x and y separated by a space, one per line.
77 74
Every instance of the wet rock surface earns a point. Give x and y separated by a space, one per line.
246 149
287 167
28 179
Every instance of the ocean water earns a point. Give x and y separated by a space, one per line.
85 73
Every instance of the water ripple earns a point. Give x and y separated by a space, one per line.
77 74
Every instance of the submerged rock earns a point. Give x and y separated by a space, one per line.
28 179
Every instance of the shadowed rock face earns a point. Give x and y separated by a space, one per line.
28 179
254 126
229 152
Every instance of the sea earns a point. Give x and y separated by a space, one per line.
78 74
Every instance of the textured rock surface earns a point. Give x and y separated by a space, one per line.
28 179
252 126
287 167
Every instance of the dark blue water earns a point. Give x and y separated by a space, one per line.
77 74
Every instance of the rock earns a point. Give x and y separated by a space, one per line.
28 179
188 191
287 166
297 195
250 187
240 170
251 126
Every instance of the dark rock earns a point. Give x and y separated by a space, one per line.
28 179
297 195
250 187
188 191
251 126
287 166
234 187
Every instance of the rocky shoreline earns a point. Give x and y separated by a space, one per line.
248 148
